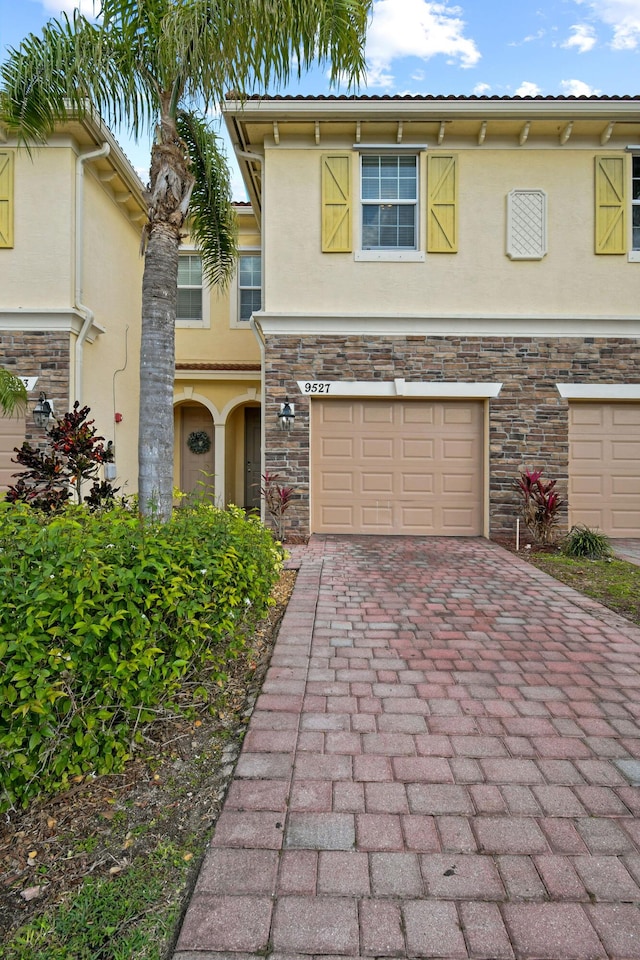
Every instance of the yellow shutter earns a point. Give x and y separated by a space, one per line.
442 203
6 197
336 203
611 214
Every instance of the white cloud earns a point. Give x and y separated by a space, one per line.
90 8
528 89
481 89
578 88
583 38
623 16
415 28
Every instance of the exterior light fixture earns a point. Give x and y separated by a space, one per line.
287 415
43 412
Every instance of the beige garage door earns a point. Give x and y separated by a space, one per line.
12 431
397 467
604 467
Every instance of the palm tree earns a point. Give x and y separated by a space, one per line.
13 393
162 65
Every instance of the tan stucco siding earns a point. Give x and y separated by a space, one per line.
300 278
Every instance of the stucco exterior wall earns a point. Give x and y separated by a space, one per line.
480 279
528 421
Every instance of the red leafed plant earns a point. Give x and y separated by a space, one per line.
540 505
277 500
74 458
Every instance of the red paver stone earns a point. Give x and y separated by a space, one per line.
420 834
298 871
263 830
618 926
343 874
395 875
386 798
560 878
552 931
604 836
372 768
456 834
377 831
312 796
433 929
439 798
316 925
238 872
509 835
562 836
461 877
348 797
381 929
485 932
422 770
257 795
606 878
511 771
521 878
221 924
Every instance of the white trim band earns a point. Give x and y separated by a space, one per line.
436 389
599 391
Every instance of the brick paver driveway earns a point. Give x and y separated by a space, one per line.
440 764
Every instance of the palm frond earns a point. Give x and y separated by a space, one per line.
212 218
13 393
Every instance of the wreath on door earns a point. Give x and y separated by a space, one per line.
199 441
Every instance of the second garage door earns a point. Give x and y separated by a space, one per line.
397 467
12 431
604 467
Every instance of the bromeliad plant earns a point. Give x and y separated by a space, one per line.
277 500
75 457
540 505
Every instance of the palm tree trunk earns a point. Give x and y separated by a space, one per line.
157 368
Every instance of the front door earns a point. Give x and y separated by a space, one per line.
197 472
252 458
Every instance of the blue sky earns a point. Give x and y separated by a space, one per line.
485 47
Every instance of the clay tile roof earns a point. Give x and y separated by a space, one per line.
218 366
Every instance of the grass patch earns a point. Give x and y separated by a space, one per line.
111 919
614 583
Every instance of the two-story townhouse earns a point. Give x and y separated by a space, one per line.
71 215
217 391
451 294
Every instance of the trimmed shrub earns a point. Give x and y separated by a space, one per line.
540 505
102 616
584 542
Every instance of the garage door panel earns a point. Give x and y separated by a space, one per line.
457 449
626 415
416 483
381 413
337 482
604 467
337 447
416 467
416 449
378 449
416 413
381 483
591 485
338 412
12 431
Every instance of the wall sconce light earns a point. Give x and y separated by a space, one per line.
287 415
43 412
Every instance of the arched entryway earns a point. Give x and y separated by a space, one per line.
195 442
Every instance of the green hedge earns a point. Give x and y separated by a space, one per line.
101 618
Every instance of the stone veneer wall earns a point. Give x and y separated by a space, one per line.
528 421
43 354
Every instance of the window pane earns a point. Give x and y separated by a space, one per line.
250 302
189 305
388 226
636 227
189 270
250 271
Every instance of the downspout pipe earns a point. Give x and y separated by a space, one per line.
81 307
259 335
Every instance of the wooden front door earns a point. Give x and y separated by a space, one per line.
252 457
197 469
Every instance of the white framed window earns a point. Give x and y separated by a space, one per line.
389 201
190 304
249 285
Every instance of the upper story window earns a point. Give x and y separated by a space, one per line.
189 307
635 203
249 285
389 196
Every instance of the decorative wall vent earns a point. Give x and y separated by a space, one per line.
526 224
